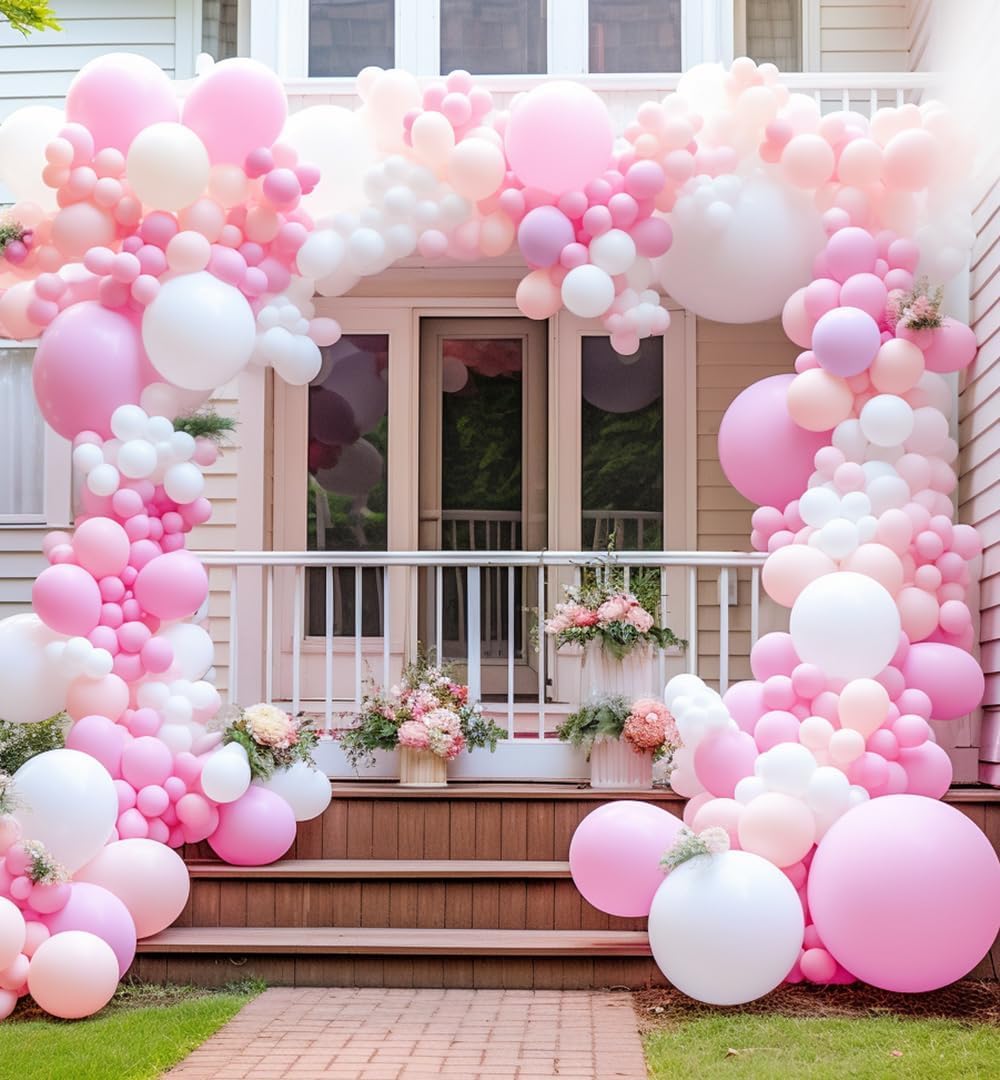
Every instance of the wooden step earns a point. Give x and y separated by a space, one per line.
363 941
382 869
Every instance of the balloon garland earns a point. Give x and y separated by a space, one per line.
162 241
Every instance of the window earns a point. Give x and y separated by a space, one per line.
774 33
347 502
348 35
219 28
635 35
494 37
22 465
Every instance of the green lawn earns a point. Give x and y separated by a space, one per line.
142 1032
814 1034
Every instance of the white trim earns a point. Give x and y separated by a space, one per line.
812 49
187 37
268 31
568 37
418 37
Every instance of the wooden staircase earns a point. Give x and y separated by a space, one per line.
466 887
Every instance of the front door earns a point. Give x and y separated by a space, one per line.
483 486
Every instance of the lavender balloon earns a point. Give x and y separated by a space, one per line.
845 341
542 235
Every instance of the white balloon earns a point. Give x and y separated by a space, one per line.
748 789
167 166
613 251
683 685
588 291
226 775
23 138
32 682
726 929
193 649
787 768
183 482
838 538
819 505
129 422
67 800
103 480
177 737
137 459
162 399
321 254
886 420
87 457
847 624
198 331
305 789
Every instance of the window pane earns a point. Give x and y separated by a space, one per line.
635 35
621 486
348 35
348 438
219 28
774 33
22 464
494 37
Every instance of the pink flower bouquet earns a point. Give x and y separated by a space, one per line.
645 724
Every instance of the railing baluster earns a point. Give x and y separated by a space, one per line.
693 620
386 629
234 639
358 626
438 613
872 103
541 651
269 634
754 605
845 100
510 652
328 647
723 629
297 632
474 675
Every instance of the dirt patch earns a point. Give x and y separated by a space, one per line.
969 1000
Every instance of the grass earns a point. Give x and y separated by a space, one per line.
140 1033
825 1034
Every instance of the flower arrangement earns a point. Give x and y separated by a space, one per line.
919 309
645 724
15 241
688 845
272 739
429 710
42 869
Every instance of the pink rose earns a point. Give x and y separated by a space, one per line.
585 617
613 610
640 619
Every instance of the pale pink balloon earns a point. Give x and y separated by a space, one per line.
950 677
929 770
66 598
897 367
146 761
951 347
720 814
774 727
796 321
790 569
99 737
777 827
744 700
73 974
722 759
101 547
867 292
101 697
851 251
237 107
171 586
773 654
12 932
918 612
821 296
890 869
819 401
256 829
910 159
537 296
879 562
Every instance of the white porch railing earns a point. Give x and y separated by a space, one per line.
262 596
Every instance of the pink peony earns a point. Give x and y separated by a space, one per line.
585 617
414 734
649 726
613 609
640 618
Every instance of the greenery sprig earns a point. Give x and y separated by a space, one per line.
19 742
43 868
266 760
9 801
688 845
206 424
600 719
25 16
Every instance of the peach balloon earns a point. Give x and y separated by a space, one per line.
808 161
863 706
790 569
879 562
819 401
722 814
537 296
910 160
897 367
845 746
73 974
860 162
777 827
918 613
895 530
97 697
796 320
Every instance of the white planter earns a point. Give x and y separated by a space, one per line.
421 768
614 764
603 675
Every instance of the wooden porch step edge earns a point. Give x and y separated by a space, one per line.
383 869
363 941
497 791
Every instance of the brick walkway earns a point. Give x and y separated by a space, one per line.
388 1034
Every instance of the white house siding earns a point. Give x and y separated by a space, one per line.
858 35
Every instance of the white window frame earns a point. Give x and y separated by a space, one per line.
57 475
279 36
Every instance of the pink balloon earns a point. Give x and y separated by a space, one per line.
867 292
723 758
773 654
97 911
928 769
949 676
237 107
851 251
652 237
745 702
117 95
145 761
99 737
559 137
171 586
66 598
88 363
101 546
845 341
951 347
775 727
765 455
101 697
149 878
257 828
73 974
615 853
722 814
905 893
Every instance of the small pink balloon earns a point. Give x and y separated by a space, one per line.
146 761
723 758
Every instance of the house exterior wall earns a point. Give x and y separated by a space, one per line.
859 35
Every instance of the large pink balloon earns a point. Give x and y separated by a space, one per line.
149 878
88 363
559 137
949 676
171 586
722 759
101 547
73 974
257 828
117 95
904 891
97 911
765 455
614 856
951 347
237 107
66 598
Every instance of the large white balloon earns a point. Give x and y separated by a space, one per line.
23 138
167 166
341 145
588 291
744 268
847 624
726 929
32 687
199 332
67 800
305 789
194 652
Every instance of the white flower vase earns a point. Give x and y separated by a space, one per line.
614 764
421 768
604 675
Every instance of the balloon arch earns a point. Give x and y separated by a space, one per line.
166 236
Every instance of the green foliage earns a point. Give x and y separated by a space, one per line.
25 16
43 868
265 761
605 718
206 424
19 742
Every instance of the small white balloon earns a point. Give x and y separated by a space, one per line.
137 459
183 482
588 291
305 789
128 422
613 251
226 776
103 480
